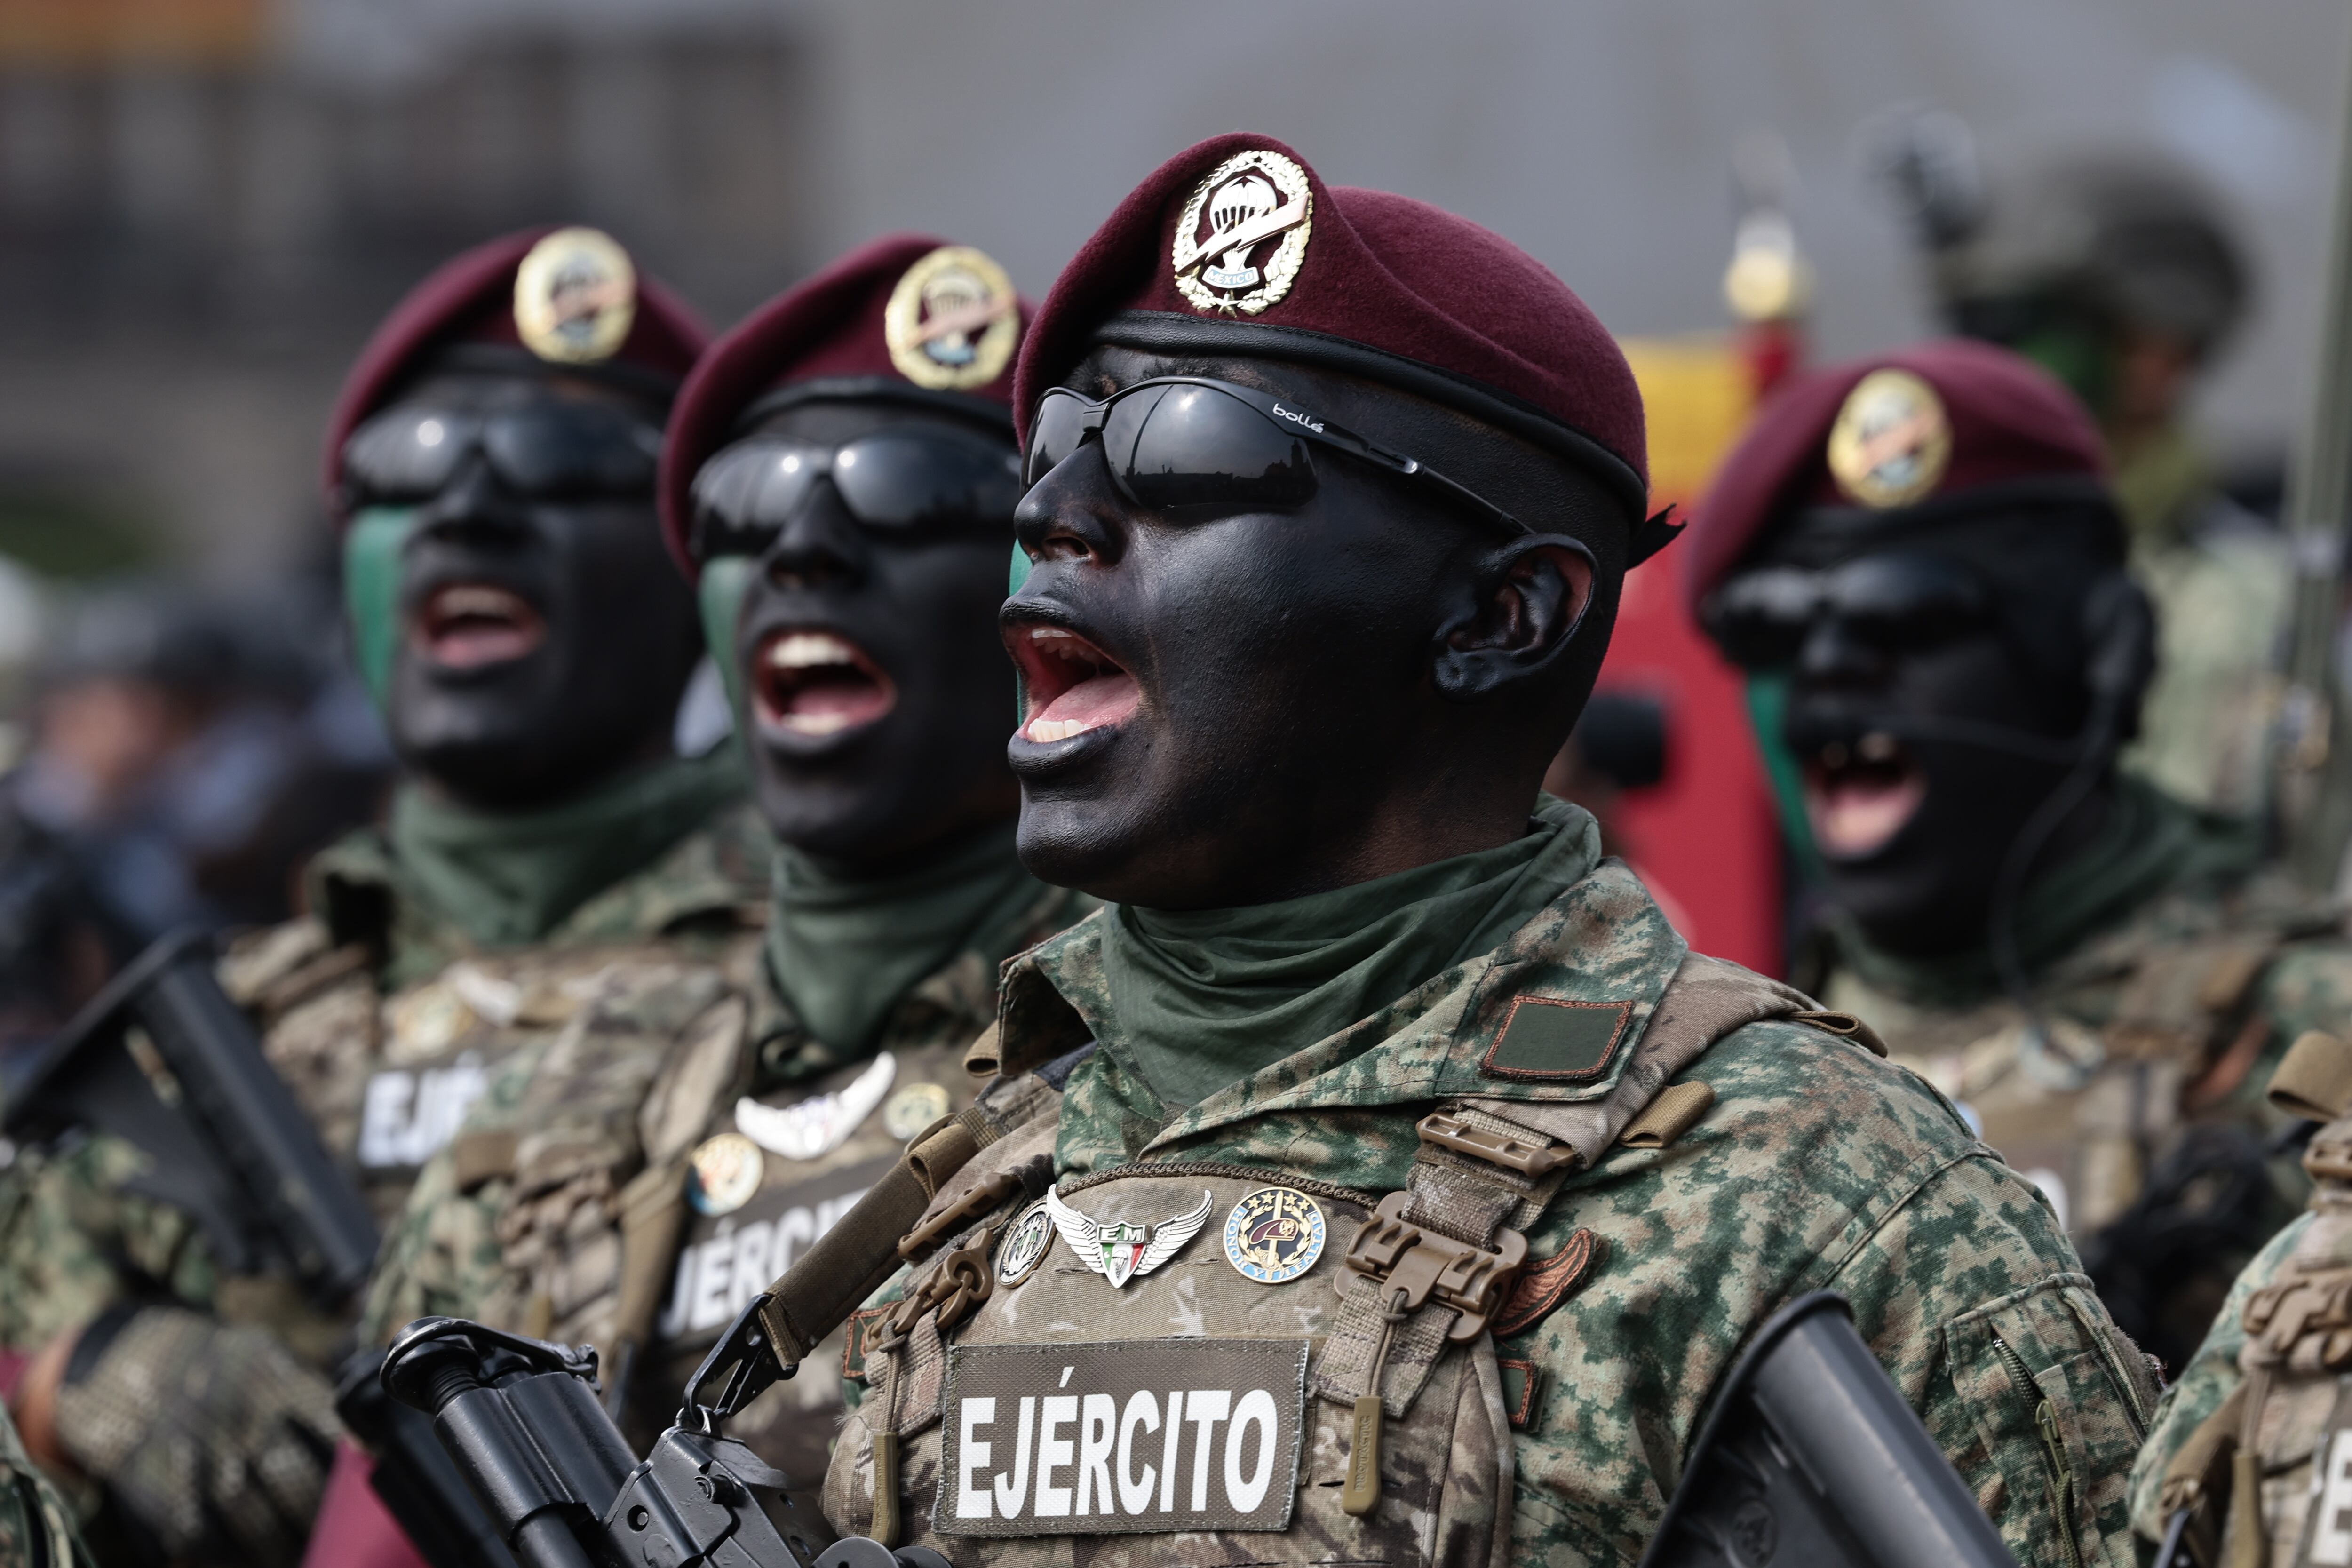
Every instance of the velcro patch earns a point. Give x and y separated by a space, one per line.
1521 1380
1552 1039
1542 1286
1126 1437
856 1334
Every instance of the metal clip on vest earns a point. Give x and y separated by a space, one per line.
521 1418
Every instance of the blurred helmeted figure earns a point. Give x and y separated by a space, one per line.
2121 274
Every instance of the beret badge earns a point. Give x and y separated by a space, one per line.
1892 440
953 320
575 297
1242 235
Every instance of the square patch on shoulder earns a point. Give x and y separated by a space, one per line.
1554 1040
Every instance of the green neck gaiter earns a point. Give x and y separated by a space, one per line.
2151 842
1202 998
844 950
506 878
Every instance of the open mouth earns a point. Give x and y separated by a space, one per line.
1858 796
464 626
814 684
1073 685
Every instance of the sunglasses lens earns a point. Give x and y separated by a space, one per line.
406 454
1059 425
1907 601
1759 618
1195 446
744 495
573 450
915 481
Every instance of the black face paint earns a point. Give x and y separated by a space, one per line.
545 635
876 685
1218 705
1926 737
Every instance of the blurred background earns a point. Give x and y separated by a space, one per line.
206 205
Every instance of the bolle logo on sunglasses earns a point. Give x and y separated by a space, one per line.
1295 417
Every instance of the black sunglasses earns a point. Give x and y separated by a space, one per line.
543 451
747 493
1892 601
1185 443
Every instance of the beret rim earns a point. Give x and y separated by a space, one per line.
1962 505
1163 331
507 359
872 389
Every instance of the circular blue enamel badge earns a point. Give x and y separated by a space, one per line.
1274 1236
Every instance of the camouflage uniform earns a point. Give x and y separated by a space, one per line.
2142 1105
589 1198
2219 579
385 1078
2260 1404
1780 1159
36 1529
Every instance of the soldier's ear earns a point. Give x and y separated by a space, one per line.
1526 600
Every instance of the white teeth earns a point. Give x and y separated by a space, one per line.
471 599
814 723
1047 634
804 650
1042 730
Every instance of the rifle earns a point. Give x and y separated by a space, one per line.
192 1088
522 1419
1810 1455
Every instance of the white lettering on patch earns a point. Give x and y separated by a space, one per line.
717 1279
406 1117
1094 1445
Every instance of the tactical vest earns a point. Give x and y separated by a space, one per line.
2277 1455
2084 1111
1167 1350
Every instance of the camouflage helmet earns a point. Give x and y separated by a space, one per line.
2130 239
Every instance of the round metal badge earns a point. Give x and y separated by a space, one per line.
1025 1247
1891 441
953 320
575 295
1275 1234
914 1108
1242 236
723 1173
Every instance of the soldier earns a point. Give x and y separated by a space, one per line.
2249 1454
1414 1186
493 458
2118 273
840 479
1924 547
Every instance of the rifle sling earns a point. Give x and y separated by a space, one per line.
851 1261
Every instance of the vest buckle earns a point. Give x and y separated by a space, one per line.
1514 1154
1419 1264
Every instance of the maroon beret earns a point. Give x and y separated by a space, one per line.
471 299
1235 246
908 318
1894 432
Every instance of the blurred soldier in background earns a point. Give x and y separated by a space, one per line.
492 458
840 477
186 751
1923 545
2119 273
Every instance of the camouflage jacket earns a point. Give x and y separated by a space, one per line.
385 1079
632 1182
36 1528
1818 1166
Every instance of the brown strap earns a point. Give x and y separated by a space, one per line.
653 1217
1676 1111
850 1262
2199 1472
2315 1077
1847 1024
